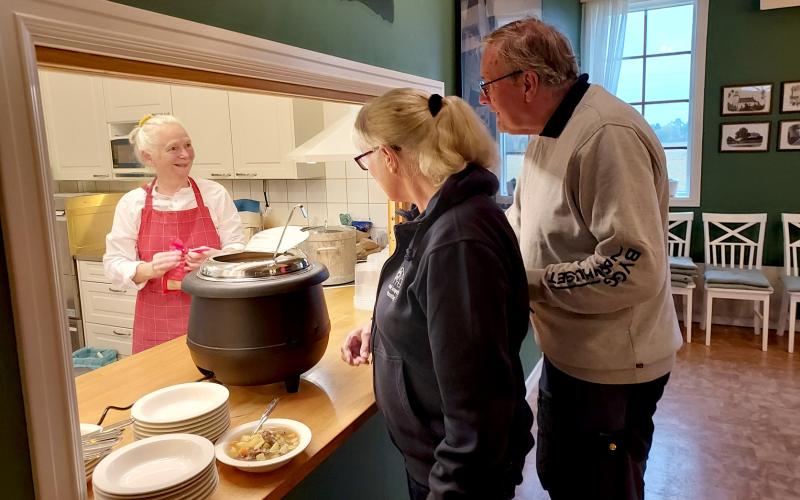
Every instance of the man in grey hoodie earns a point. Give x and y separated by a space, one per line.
590 214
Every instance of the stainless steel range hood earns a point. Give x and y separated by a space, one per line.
333 143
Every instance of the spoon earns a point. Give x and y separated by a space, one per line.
271 406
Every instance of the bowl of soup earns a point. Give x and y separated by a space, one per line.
278 442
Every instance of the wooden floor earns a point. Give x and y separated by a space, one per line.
728 426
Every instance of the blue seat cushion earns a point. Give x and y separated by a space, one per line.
723 277
791 283
682 263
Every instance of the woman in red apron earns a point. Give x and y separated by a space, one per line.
173 208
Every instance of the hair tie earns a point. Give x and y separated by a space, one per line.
434 104
144 119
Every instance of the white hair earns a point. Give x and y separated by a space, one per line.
144 136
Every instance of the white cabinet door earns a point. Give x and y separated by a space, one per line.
91 271
108 337
204 112
106 305
263 133
74 116
130 100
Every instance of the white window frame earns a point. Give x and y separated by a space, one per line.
696 92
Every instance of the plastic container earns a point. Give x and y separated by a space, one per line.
90 357
367 275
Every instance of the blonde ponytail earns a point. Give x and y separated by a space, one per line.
144 136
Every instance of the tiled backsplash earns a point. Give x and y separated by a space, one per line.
346 189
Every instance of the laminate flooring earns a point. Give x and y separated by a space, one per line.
728 426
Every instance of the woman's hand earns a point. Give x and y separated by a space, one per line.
195 258
357 347
164 261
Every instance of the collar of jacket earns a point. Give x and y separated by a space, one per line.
473 180
555 125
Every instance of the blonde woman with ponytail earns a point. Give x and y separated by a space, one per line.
166 228
452 304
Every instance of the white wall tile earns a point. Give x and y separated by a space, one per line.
86 187
277 214
376 194
277 191
241 189
317 213
335 170
358 211
357 191
103 186
379 214
125 186
257 188
354 171
296 191
334 209
317 192
67 186
336 190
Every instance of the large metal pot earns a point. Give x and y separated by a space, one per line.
335 247
255 319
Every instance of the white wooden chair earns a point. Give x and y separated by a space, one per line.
733 266
679 238
790 279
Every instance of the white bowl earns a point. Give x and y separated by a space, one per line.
153 464
234 434
180 403
186 427
89 428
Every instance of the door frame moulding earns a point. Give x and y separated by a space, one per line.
101 28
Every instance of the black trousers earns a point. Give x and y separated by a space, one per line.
594 439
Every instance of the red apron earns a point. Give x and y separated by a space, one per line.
164 316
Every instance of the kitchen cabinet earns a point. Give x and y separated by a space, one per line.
205 114
75 125
265 129
107 311
129 100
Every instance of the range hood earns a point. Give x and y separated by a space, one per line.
334 143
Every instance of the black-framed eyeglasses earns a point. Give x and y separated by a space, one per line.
359 158
485 85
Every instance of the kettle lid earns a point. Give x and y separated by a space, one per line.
247 266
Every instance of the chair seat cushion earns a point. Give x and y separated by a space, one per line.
681 284
682 263
681 278
720 277
791 283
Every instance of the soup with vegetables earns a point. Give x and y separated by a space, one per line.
270 443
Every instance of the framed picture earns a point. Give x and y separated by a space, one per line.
752 99
747 137
789 135
790 97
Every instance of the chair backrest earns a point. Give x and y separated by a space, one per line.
679 233
727 243
791 244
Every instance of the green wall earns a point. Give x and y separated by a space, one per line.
747 45
566 16
420 40
15 469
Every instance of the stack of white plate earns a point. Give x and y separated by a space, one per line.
163 467
199 408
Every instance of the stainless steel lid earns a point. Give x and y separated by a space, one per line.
251 266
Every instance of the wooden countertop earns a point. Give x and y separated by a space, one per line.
334 400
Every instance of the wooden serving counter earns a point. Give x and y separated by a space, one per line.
334 400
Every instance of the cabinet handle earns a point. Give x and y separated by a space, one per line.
121 334
115 290
219 175
101 176
251 174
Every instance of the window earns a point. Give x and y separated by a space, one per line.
661 76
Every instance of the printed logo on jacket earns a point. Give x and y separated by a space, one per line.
394 287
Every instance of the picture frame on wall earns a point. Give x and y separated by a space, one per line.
790 97
750 99
744 137
789 135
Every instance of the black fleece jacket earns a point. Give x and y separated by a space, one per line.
450 316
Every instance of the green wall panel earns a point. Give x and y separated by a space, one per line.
566 16
748 45
419 38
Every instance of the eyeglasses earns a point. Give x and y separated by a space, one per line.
485 85
359 158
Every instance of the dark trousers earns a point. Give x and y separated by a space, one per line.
594 439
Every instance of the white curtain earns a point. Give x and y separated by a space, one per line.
602 40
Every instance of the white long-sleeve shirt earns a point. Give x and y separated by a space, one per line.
122 256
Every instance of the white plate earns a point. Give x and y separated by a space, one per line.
153 464
211 432
89 428
180 403
208 476
221 448
214 419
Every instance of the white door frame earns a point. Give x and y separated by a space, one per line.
110 29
